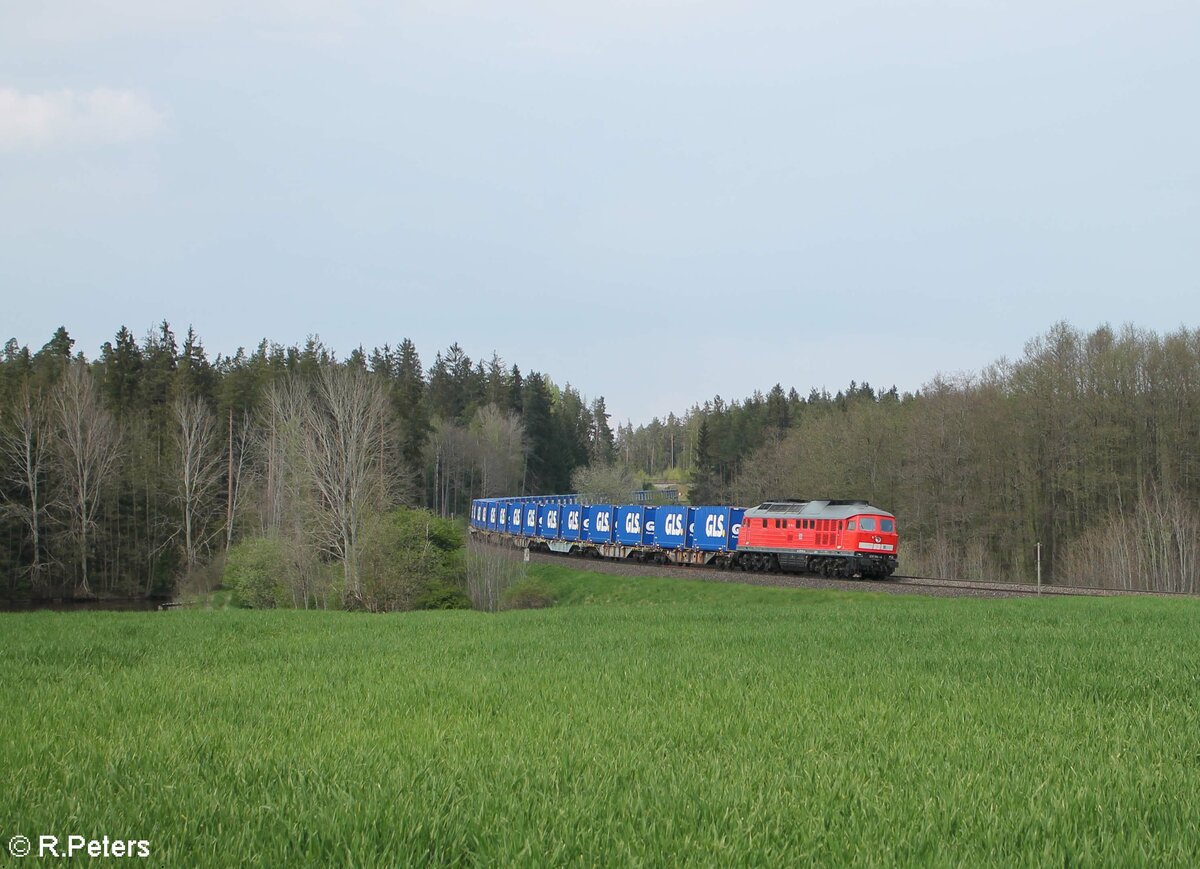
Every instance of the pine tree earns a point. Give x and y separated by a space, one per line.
412 411
539 429
121 371
602 446
703 489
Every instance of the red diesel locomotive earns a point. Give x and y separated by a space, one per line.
832 538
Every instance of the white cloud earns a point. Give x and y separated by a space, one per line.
70 118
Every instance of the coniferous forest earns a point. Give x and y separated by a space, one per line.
121 474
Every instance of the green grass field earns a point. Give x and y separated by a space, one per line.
638 722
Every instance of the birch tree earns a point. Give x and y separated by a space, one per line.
281 443
498 444
239 472
86 445
198 471
24 444
346 410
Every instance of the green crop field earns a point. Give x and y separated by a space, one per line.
637 722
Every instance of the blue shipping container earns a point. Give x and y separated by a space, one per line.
712 528
735 526
671 528
530 527
515 518
649 523
599 519
572 521
548 521
629 525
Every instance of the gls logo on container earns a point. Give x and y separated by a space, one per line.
573 520
714 525
673 525
633 523
552 520
604 522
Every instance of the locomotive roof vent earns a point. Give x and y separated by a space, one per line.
791 506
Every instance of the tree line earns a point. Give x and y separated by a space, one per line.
1088 443
122 473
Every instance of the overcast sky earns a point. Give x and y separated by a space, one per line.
654 200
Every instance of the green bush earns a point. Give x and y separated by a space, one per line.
528 594
256 573
443 596
410 559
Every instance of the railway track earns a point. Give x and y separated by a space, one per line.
898 584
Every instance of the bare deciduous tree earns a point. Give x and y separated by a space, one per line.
240 471
1155 546
86 445
198 470
346 410
448 451
490 571
24 443
281 444
614 484
498 444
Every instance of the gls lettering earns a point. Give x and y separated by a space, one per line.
714 525
633 523
673 524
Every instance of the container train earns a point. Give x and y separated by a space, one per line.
831 538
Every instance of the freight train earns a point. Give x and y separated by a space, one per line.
831 538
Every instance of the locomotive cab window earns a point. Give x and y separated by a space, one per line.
888 526
850 525
867 524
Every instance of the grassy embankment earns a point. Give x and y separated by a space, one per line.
639 720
